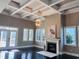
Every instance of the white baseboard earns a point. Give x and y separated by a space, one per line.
25 46
17 47
39 46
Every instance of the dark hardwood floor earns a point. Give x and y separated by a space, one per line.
29 53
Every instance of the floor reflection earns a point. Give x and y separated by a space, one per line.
15 54
29 54
8 54
11 55
3 54
18 54
23 56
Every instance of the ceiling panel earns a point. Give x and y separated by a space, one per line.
20 14
49 2
8 10
35 5
30 8
31 17
21 2
46 12
14 4
66 1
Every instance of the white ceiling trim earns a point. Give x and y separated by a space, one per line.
47 6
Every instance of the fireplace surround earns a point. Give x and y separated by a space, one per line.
52 46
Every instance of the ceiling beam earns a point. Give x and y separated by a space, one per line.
22 7
25 12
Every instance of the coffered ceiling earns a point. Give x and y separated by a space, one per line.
32 9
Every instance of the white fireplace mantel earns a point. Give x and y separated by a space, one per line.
54 41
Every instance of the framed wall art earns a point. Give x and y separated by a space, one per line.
52 31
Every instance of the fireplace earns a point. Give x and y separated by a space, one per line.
53 46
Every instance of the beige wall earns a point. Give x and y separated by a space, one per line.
49 20
72 19
53 19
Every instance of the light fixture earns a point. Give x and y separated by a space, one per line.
38 22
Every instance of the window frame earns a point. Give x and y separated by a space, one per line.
74 27
40 37
28 32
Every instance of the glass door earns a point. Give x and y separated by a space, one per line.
3 38
8 36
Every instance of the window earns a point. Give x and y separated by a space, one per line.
70 36
25 35
13 35
40 34
28 35
3 38
37 35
